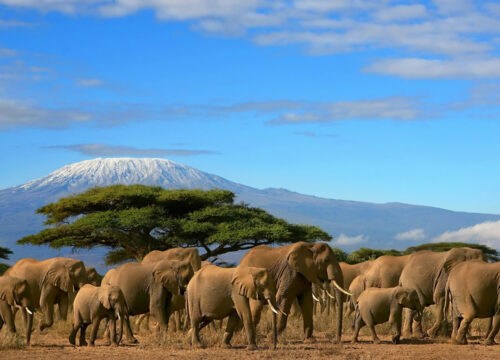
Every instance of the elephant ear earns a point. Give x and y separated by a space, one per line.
7 295
300 258
245 281
402 297
103 297
59 276
167 278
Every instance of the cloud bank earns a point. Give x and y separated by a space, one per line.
484 233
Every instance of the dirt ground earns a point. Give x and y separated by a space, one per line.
53 344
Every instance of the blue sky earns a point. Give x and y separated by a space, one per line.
373 101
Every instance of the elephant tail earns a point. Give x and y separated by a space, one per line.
357 313
186 305
447 299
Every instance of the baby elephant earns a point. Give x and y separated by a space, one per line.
376 306
91 305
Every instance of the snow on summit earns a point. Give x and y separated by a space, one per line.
82 175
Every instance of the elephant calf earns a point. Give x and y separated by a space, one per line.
91 305
376 306
215 293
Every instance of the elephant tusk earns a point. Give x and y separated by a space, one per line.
315 298
28 310
283 313
341 290
118 316
272 307
330 295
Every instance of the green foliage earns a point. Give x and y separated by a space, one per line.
3 268
4 253
340 254
364 254
134 220
490 254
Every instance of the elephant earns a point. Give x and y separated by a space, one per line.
378 305
358 285
50 282
91 305
182 254
93 277
427 272
351 271
215 293
385 271
15 293
150 288
473 291
294 268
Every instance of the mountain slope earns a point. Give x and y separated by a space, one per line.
377 223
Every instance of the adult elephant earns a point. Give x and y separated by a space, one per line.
189 254
351 271
50 282
150 287
294 268
216 293
15 293
427 272
93 276
473 289
385 271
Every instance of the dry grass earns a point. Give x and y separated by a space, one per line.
53 343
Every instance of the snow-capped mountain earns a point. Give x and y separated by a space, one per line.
354 223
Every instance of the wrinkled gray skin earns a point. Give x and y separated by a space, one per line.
15 293
385 271
473 291
215 293
376 306
427 273
150 287
181 254
351 271
91 305
50 282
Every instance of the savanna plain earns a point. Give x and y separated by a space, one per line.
53 343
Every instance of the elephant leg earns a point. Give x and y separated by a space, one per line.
245 314
47 304
358 324
488 327
83 330
456 319
306 307
232 324
462 330
128 329
395 321
371 326
256 308
195 330
95 327
8 318
417 325
28 324
408 320
434 330
63 307
495 326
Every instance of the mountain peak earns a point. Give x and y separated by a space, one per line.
82 175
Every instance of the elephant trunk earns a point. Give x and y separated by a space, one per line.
337 281
29 325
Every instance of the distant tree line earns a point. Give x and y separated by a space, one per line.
4 254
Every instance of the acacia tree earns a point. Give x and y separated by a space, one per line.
4 254
134 220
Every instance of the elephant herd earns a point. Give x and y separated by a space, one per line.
296 275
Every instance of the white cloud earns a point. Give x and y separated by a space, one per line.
415 234
487 233
90 82
416 68
8 52
401 13
119 150
343 239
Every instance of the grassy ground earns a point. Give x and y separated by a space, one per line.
53 344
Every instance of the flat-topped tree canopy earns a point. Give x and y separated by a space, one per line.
136 219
